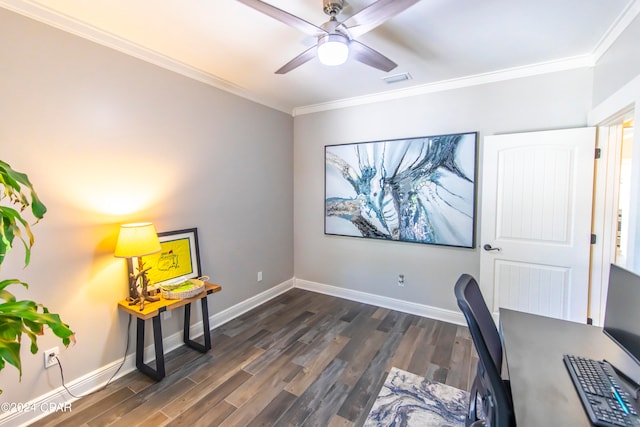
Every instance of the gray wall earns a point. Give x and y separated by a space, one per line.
619 65
108 139
551 101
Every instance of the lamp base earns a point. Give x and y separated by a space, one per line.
143 295
142 299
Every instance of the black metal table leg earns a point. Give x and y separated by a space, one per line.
205 325
158 373
153 312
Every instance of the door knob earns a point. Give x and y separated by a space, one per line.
488 247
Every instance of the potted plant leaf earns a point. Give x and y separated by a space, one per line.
21 317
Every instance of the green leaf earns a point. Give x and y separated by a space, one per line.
37 207
7 296
11 221
22 308
16 186
32 331
20 318
28 311
10 328
15 181
10 351
7 282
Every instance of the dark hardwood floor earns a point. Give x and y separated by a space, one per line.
303 358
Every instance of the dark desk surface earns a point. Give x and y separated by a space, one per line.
543 394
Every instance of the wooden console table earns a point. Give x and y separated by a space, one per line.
152 311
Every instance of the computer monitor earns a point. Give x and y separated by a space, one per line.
622 315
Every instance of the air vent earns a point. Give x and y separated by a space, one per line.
397 78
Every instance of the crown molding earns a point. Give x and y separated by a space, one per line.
625 99
621 23
440 86
63 22
626 17
68 24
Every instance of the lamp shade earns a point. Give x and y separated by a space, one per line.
333 49
136 240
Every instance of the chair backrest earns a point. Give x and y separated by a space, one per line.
486 340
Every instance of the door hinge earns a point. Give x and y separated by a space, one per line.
598 153
593 239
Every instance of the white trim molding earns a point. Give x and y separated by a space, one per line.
431 312
249 304
217 319
621 100
58 398
66 23
619 106
564 64
71 25
621 23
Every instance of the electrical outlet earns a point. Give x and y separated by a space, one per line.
401 280
259 276
50 357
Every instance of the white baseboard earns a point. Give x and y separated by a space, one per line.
174 341
249 304
58 398
455 317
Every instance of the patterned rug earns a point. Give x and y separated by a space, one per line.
409 400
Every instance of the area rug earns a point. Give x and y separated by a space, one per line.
410 400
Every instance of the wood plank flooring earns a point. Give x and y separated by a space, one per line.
301 359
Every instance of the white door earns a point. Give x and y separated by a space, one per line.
536 222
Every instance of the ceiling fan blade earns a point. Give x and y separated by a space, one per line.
370 57
375 14
284 17
305 56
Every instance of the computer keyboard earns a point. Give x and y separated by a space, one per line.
606 401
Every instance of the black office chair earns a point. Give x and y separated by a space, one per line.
488 389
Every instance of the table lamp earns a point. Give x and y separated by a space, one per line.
138 240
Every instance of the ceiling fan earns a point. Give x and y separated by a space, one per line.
336 39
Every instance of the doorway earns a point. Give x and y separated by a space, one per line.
615 215
624 195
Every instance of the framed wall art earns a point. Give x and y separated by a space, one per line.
177 261
420 190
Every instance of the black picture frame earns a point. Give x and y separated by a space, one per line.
178 260
418 190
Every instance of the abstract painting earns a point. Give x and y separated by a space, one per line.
419 190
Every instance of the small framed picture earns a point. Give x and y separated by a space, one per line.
177 261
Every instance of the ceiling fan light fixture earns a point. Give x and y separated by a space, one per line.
333 49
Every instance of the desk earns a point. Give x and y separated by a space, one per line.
152 311
543 394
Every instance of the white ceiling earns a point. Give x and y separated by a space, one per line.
232 46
